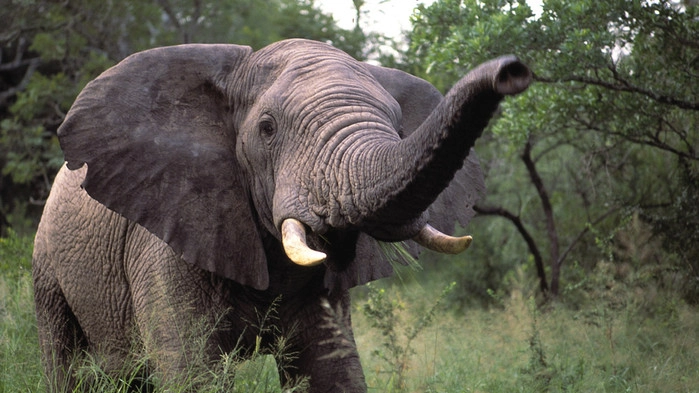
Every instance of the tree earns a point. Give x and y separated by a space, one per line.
50 50
608 130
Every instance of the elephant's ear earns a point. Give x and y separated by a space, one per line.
417 99
155 133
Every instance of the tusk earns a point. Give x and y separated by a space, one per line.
294 241
431 238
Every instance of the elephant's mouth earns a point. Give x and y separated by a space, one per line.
298 251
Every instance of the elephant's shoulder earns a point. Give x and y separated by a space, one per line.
70 209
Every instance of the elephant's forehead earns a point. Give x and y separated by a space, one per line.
330 84
312 79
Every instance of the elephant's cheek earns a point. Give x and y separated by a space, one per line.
262 201
292 201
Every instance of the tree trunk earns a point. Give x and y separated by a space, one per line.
551 232
531 244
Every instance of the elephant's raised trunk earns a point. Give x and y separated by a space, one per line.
393 182
417 169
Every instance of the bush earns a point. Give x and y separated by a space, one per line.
396 348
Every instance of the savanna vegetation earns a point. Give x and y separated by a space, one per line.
584 272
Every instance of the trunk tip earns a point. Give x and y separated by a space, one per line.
512 76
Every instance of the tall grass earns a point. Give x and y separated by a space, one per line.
520 347
616 340
20 366
20 360
21 370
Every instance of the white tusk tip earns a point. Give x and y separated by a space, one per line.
295 247
435 240
305 257
461 244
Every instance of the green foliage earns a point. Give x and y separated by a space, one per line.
610 120
20 365
678 227
19 348
396 347
635 272
452 36
523 347
537 367
257 374
16 255
485 270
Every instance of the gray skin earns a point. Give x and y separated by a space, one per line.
182 164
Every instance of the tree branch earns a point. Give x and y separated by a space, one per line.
653 141
548 211
531 244
167 7
18 62
5 95
543 195
624 86
582 233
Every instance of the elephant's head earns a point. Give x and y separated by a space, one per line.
216 149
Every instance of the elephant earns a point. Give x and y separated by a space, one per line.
205 184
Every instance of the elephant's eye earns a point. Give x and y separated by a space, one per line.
267 127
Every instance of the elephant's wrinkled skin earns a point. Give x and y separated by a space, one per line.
184 164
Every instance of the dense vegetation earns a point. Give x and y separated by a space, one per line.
608 134
584 273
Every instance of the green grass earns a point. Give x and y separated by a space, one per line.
20 366
520 348
614 341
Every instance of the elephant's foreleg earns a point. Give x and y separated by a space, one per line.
323 348
181 316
